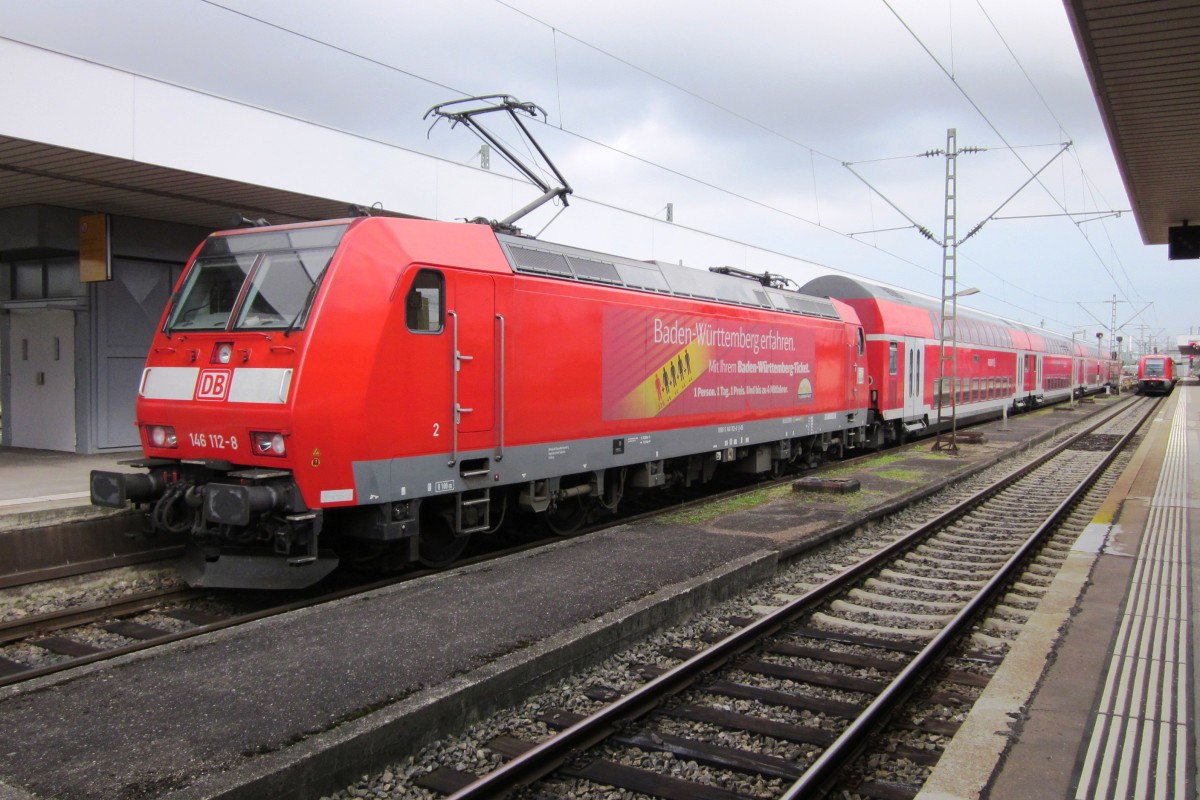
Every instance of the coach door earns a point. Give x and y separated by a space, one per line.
1028 373
914 378
472 322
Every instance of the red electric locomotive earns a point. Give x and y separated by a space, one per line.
1156 374
388 387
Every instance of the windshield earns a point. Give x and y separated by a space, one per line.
255 281
1154 368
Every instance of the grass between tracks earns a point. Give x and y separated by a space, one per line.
877 466
719 508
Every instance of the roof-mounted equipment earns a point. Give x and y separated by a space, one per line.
242 221
772 280
467 109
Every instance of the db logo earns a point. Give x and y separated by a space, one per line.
213 384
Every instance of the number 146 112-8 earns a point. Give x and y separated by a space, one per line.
215 441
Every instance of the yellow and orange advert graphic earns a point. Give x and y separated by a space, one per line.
658 364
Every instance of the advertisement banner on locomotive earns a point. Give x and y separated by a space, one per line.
658 365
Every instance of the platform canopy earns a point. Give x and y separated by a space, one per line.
1142 59
39 173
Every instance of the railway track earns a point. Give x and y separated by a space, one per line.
129 624
71 637
784 703
164 555
23 553
59 640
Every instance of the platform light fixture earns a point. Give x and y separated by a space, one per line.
1183 242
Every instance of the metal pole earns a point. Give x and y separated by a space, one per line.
949 302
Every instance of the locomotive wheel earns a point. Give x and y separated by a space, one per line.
567 516
439 546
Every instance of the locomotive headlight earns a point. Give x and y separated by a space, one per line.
162 436
269 444
222 353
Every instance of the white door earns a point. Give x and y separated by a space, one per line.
914 377
42 413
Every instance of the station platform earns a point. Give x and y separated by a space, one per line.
43 487
48 526
1097 698
303 704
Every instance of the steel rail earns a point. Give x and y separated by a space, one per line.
199 630
12 580
548 755
106 612
818 779
16 629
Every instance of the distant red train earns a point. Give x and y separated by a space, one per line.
378 390
1156 374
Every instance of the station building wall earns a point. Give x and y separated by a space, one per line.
71 353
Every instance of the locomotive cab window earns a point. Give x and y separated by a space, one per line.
424 306
282 287
211 290
254 280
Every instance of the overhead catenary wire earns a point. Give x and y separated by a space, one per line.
1087 180
595 142
979 110
556 32
1034 174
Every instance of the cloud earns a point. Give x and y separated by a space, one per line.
749 110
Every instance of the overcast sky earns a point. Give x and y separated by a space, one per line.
739 114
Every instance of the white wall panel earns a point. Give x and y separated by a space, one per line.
63 100
52 98
199 133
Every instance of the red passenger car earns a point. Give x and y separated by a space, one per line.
387 388
999 363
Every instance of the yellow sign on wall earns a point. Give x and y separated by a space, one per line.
95 256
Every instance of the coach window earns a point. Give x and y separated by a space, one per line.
425 304
893 357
